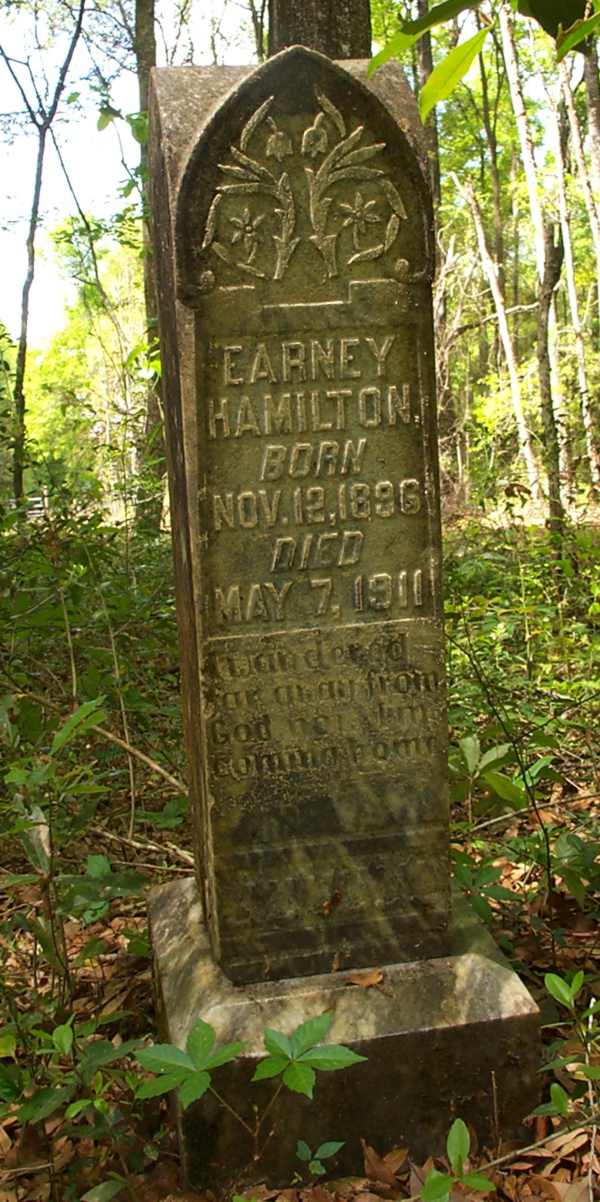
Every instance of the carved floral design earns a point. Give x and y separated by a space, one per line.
344 157
246 232
314 139
279 144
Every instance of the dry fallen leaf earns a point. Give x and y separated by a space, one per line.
567 1143
397 1159
541 1185
365 980
334 900
30 1149
376 1168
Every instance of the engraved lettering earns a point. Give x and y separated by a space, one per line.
229 608
381 352
318 423
247 422
262 368
229 366
322 358
300 459
410 496
340 396
223 511
218 415
352 457
279 597
270 505
352 541
369 406
347 372
257 606
398 404
278 415
282 558
293 360
273 461
324 551
327 458
247 510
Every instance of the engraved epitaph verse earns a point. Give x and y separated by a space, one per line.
303 248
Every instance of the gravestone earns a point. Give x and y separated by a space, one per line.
294 245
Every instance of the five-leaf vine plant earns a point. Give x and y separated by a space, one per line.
295 1059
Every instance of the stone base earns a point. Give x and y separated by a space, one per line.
443 1038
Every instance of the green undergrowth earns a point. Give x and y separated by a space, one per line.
90 678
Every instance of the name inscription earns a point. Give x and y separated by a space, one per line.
316 501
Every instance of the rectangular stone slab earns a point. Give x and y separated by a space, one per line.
456 1035
301 415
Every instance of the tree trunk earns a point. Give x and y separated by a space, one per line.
151 454
41 117
258 16
337 28
518 105
535 208
19 388
490 133
489 270
582 171
590 72
592 450
425 67
553 257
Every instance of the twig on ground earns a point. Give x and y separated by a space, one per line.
145 844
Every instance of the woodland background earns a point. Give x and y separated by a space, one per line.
93 804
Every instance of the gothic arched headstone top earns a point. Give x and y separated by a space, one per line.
301 185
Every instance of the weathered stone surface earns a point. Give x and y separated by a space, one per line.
433 1037
311 575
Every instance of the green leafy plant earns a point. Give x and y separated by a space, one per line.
478 880
437 1185
295 1059
576 1058
314 1160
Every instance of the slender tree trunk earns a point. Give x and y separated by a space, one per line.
42 118
550 327
489 270
258 16
592 449
553 257
492 143
592 88
518 105
425 67
337 28
151 458
516 275
19 389
582 171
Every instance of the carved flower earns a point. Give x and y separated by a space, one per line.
206 281
359 216
246 232
278 143
315 139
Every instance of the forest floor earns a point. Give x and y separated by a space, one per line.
89 652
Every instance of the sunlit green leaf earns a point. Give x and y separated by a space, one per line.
448 74
200 1043
311 1032
300 1078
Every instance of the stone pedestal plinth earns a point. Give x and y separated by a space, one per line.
452 1036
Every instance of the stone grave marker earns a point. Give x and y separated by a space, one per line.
293 235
